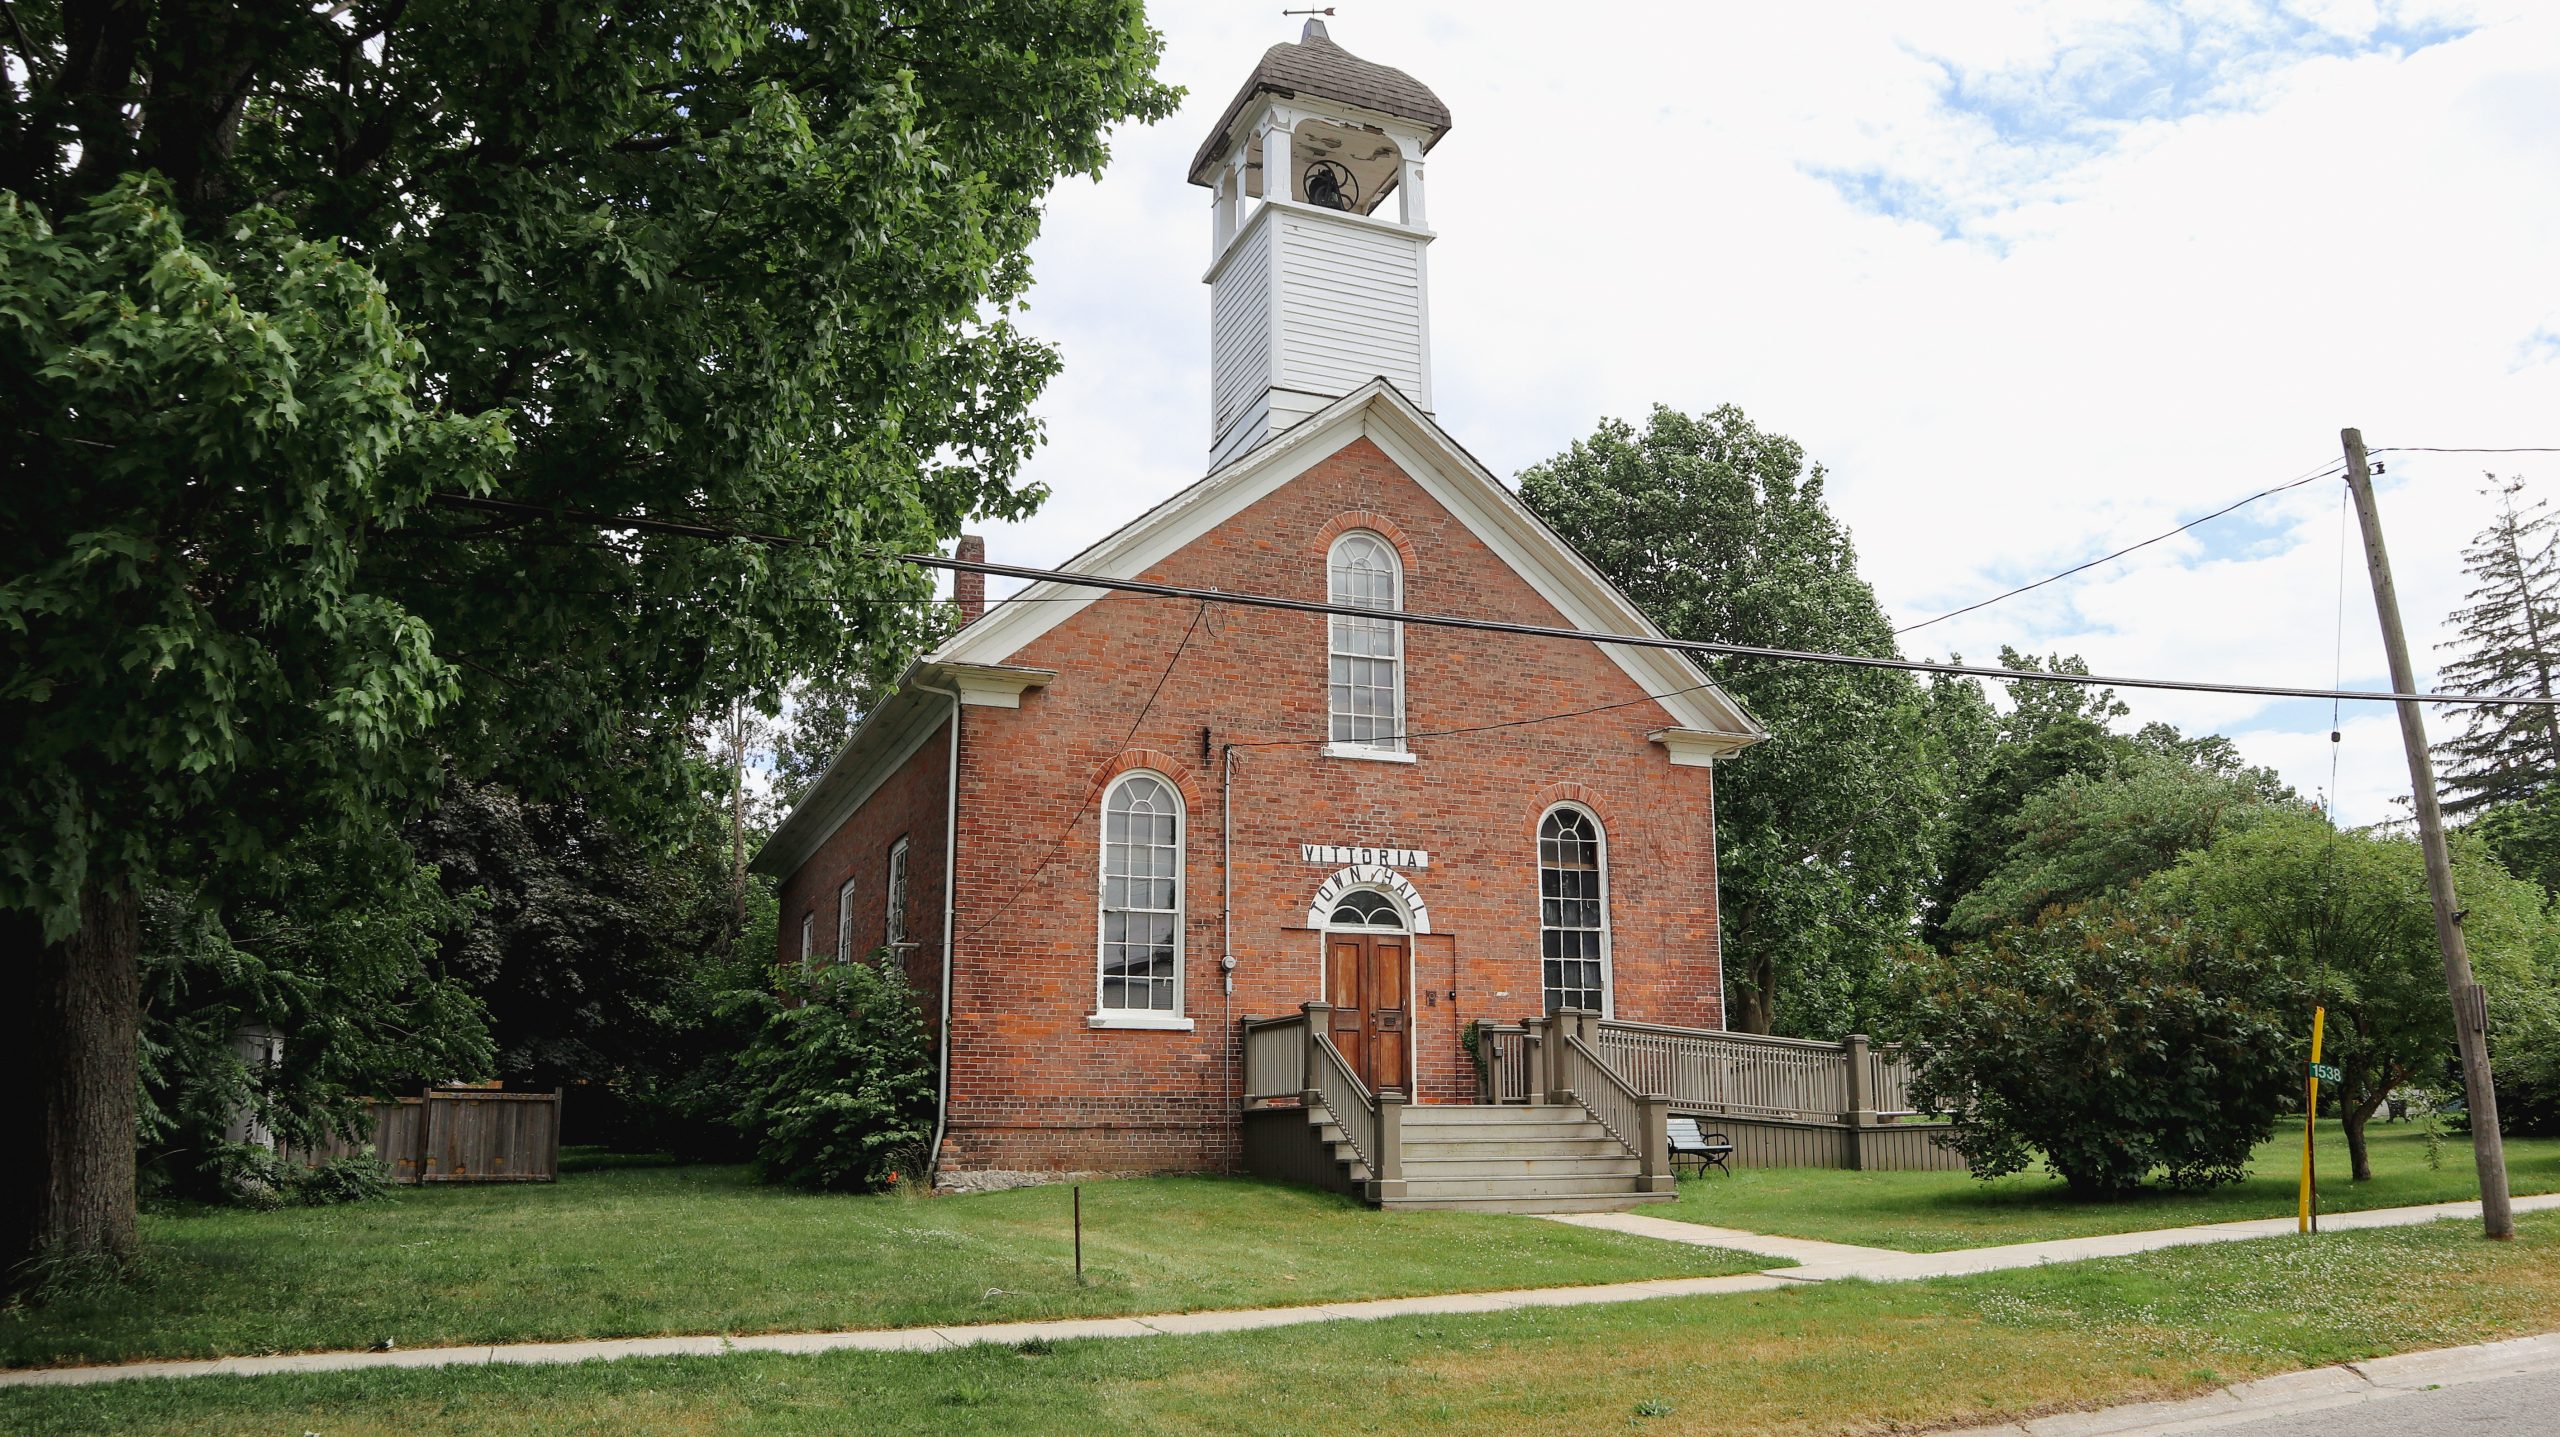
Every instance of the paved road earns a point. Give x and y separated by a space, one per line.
2525 1406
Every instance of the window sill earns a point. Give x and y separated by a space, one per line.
1143 1022
1373 755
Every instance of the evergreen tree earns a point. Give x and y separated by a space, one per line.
2510 644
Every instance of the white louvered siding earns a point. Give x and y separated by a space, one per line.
1351 307
1240 330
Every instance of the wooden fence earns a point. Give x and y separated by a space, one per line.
1785 1102
460 1135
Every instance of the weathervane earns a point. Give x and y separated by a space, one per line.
1325 11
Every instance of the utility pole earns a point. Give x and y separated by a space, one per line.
2470 1006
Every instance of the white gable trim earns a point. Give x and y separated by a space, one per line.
1445 471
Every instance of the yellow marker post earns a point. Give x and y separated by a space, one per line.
2303 1220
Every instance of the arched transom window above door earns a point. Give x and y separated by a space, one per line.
1365 656
1367 908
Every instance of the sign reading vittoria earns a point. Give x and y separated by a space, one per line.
1337 854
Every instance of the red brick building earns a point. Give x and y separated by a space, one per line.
1103 828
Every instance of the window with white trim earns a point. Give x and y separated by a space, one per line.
894 927
844 922
1573 910
808 937
1366 656
1141 943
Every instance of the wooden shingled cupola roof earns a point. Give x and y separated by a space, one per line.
1315 68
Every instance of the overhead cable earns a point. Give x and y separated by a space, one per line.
1703 647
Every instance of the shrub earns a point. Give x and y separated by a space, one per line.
836 1090
2110 1038
342 1180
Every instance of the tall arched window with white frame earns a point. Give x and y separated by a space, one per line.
1141 939
1366 694
844 922
1573 909
893 924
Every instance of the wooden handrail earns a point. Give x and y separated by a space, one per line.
1275 1058
1639 1120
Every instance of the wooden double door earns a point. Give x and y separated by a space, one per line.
1367 980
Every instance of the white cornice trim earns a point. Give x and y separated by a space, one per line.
989 686
1700 748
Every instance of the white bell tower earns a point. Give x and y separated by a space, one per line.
1316 276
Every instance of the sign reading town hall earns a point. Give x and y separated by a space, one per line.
1338 855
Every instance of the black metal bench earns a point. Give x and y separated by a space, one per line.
1707 1150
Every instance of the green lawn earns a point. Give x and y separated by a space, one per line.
641 1251
1932 1212
1820 1359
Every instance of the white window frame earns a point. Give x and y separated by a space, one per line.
893 921
844 922
808 936
1173 1019
1608 970
1393 748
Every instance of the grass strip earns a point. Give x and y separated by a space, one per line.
1936 1212
1828 1358
639 1251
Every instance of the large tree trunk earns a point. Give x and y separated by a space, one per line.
67 1198
2352 1116
1747 1005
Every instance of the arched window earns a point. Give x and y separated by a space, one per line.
1141 955
1367 655
1573 909
894 925
1367 908
844 922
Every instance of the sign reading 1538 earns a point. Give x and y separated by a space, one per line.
2327 1073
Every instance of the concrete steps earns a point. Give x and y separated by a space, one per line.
1498 1159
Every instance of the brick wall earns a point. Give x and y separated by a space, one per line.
1035 1088
911 804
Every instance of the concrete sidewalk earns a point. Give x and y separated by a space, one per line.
1821 1262
2320 1390
1829 1262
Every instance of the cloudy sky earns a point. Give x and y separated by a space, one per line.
2030 280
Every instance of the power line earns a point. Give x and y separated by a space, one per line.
1704 647
1059 843
2455 449
2332 467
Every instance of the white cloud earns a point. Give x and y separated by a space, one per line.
2032 280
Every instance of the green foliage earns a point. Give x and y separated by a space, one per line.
2085 834
1719 531
837 1088
2525 837
758 262
209 430
2051 730
2346 916
253 1176
753 263
2113 1039
2509 643
335 953
583 937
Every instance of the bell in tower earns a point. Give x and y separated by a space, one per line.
1316 271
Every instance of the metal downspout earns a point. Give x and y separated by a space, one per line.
950 888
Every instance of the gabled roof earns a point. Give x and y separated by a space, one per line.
1319 69
1705 717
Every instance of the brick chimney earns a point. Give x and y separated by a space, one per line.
969 590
